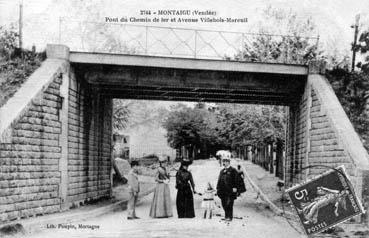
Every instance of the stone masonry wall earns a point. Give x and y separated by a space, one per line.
296 141
89 143
320 136
325 147
319 143
288 173
365 195
29 172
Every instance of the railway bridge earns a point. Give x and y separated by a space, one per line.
56 131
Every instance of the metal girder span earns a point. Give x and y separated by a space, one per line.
245 97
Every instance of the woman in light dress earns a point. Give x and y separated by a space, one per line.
161 206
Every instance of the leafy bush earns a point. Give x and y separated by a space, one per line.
16 65
352 90
8 43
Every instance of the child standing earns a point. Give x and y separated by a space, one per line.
208 203
134 189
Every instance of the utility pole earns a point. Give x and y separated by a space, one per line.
356 27
20 23
21 27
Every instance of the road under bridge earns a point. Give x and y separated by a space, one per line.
56 132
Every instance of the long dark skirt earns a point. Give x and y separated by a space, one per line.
184 203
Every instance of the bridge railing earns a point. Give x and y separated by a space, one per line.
183 42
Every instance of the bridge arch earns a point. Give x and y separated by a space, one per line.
60 136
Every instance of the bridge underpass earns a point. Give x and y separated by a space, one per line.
134 82
60 136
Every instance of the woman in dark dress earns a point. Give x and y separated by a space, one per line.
184 183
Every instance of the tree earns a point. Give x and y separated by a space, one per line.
243 125
224 126
133 113
184 127
121 113
15 64
193 128
352 90
363 47
8 43
282 38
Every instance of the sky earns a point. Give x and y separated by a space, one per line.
42 17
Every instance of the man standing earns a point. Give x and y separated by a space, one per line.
227 188
134 189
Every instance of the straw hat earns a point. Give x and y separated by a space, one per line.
162 159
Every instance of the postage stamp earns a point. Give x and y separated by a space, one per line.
325 201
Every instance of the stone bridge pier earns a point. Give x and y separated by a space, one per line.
56 132
55 148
